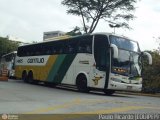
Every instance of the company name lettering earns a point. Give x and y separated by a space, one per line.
35 60
20 61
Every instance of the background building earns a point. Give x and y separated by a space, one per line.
52 34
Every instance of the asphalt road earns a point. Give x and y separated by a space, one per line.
17 97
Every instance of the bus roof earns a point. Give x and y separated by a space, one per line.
67 36
56 39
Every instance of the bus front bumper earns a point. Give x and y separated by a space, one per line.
124 86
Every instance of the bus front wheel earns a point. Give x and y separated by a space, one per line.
81 83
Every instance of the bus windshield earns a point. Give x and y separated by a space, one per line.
124 43
128 62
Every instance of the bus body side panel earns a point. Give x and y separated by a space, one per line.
40 70
58 71
52 69
62 69
84 63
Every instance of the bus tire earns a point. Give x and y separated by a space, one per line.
81 83
30 77
109 92
24 76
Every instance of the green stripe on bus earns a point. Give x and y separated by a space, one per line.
55 67
64 68
59 69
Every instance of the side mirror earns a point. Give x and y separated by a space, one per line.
149 57
115 51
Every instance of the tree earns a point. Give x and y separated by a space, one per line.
91 11
158 42
7 46
151 73
74 32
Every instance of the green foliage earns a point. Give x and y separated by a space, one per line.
7 46
74 32
92 11
151 73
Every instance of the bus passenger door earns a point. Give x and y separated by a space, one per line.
102 60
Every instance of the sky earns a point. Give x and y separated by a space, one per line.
28 19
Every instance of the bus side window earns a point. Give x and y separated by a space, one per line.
44 49
85 45
53 50
30 50
71 46
19 52
48 51
89 49
58 48
22 52
37 50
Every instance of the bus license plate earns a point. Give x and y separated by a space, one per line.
129 87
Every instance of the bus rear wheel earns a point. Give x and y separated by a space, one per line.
30 77
81 83
24 76
109 92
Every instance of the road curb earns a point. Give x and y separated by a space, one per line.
139 94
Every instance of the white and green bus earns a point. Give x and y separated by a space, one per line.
101 61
